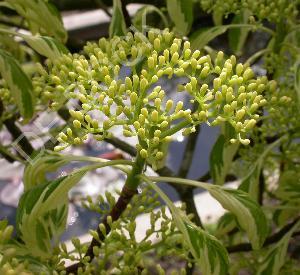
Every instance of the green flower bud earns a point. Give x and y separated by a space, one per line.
174 58
106 124
144 153
250 124
69 132
248 74
169 105
127 133
55 79
253 107
77 141
136 125
159 155
203 59
151 63
217 83
133 98
227 109
143 84
239 69
204 72
157 133
179 106
161 60
166 55
141 133
194 63
174 48
76 124
128 83
154 116
144 112
164 124
240 114
95 124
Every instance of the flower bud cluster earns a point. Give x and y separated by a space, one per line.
125 252
222 89
272 10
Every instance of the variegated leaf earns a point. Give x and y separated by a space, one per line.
117 25
209 253
42 214
45 45
42 17
181 13
222 155
248 213
275 257
18 83
225 224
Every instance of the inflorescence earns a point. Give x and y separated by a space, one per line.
222 90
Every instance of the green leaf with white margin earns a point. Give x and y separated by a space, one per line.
222 155
36 170
44 45
42 17
18 83
237 36
275 257
117 25
181 13
250 182
209 253
42 214
247 212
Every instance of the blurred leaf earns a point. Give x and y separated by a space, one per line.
18 83
202 37
237 36
117 25
140 16
276 255
181 13
42 17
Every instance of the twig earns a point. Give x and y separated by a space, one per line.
16 133
102 6
115 213
244 247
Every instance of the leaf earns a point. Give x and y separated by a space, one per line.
18 83
225 224
45 45
42 17
289 187
42 214
36 170
202 37
250 182
217 16
248 213
275 257
117 25
181 13
140 16
209 253
222 155
237 36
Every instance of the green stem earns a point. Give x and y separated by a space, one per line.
132 180
175 129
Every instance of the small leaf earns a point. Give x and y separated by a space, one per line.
18 83
275 257
222 155
181 13
117 25
248 213
209 253
42 214
237 36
